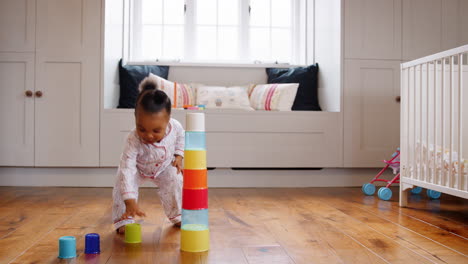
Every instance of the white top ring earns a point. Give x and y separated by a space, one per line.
195 122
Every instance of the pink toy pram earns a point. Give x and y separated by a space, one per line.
385 193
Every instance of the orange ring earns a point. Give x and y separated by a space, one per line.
195 179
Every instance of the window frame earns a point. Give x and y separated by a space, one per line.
302 47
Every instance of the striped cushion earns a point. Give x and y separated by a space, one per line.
273 97
180 94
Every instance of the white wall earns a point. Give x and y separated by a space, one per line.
327 52
113 50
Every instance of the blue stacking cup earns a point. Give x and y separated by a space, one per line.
198 217
92 244
195 140
67 247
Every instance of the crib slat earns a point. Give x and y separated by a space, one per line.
462 180
450 126
442 143
455 123
415 140
426 161
404 125
420 100
434 153
402 122
408 115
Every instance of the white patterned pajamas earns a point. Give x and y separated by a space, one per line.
150 162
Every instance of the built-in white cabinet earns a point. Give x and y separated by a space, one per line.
68 76
371 111
431 26
372 29
17 109
17 25
50 97
422 28
403 29
454 23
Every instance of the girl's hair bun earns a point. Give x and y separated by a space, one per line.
151 99
148 84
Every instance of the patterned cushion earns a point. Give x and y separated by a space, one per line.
235 97
184 94
273 97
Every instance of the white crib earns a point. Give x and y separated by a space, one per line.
434 124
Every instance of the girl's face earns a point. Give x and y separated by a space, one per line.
151 127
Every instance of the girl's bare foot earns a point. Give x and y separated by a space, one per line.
120 230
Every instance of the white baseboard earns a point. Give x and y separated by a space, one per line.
105 177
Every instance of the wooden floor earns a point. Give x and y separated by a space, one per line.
310 225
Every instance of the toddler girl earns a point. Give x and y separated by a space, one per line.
153 152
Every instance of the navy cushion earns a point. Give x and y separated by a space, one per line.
307 94
130 77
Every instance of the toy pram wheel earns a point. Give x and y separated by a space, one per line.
416 190
384 193
433 194
368 189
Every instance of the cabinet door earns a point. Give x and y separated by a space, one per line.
17 25
373 29
454 23
16 109
67 74
371 126
422 28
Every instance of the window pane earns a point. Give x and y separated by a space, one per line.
281 13
217 33
281 45
174 12
151 11
260 44
228 43
260 13
228 12
206 43
206 12
151 42
173 41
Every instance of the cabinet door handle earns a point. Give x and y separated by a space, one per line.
38 94
28 93
398 99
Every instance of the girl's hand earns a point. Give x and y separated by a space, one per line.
178 163
132 209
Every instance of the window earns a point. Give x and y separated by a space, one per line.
223 31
